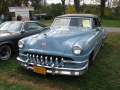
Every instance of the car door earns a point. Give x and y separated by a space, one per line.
98 33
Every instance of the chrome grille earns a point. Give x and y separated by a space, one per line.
47 60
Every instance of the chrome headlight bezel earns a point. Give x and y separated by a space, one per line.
20 44
77 50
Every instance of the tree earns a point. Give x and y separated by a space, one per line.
116 5
63 3
38 3
54 9
77 5
70 9
24 2
4 4
102 8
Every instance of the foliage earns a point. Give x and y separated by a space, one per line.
93 9
56 9
4 4
37 3
117 11
52 9
70 9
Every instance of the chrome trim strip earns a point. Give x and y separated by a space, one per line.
22 54
72 69
63 72
77 62
21 60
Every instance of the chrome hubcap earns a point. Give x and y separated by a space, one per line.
5 52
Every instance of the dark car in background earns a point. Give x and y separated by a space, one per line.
11 32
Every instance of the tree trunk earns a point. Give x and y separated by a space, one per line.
63 3
102 8
77 5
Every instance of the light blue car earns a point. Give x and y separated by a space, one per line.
72 41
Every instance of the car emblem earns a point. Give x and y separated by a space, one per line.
42 44
45 34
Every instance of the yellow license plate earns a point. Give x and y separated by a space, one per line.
41 70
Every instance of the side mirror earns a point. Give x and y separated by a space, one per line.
97 29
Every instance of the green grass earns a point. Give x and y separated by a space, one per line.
46 22
111 23
4 85
103 74
105 23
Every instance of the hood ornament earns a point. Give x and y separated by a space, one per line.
45 34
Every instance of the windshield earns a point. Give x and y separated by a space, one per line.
11 26
75 22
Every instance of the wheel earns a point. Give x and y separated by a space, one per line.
91 57
103 43
89 61
5 52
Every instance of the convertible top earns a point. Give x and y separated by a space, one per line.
79 15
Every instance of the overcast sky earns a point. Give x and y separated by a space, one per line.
86 1
53 1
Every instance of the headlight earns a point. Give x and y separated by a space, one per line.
77 50
20 44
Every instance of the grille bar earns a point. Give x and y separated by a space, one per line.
46 60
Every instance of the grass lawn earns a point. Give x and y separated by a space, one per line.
111 23
46 22
105 23
104 73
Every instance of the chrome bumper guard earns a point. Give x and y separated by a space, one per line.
56 70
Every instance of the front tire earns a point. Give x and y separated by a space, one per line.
5 52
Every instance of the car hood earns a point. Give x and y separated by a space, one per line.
56 40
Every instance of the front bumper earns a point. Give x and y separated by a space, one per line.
56 70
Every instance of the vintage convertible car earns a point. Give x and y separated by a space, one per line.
72 41
12 31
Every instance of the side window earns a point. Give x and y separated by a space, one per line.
31 26
96 23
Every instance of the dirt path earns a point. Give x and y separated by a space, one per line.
112 29
44 86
